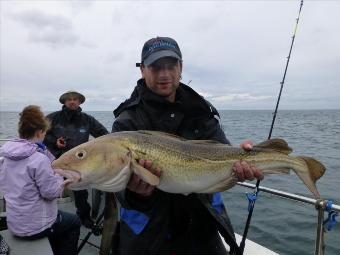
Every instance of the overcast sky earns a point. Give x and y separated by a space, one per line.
234 52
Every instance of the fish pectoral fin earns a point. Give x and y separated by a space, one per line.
144 173
221 186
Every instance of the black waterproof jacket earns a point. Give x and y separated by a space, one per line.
167 223
75 126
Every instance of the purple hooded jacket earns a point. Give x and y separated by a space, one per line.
30 187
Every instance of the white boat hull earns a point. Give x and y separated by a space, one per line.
251 247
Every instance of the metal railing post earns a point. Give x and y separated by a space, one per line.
320 233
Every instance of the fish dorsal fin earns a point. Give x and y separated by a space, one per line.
275 144
160 133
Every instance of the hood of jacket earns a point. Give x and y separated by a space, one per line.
18 149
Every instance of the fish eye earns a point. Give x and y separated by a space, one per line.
81 154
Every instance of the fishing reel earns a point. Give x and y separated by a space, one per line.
97 229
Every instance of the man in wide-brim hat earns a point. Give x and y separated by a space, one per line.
72 94
71 127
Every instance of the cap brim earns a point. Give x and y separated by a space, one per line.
160 54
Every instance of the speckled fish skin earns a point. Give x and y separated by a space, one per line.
187 166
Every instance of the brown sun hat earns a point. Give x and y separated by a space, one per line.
71 93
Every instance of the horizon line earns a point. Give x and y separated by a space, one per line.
301 109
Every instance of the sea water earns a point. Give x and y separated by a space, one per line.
282 225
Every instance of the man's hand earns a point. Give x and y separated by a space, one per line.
245 171
61 143
136 184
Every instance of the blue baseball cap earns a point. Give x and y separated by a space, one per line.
157 48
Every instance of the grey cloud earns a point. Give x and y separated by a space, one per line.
54 39
233 48
54 30
36 19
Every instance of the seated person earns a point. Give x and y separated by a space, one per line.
31 187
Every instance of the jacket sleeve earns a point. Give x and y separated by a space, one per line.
50 139
124 122
49 184
211 130
96 128
219 135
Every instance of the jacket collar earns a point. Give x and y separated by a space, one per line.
186 98
71 114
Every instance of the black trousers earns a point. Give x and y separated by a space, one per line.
63 235
83 207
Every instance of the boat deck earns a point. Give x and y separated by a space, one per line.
88 249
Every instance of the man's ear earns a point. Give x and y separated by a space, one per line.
142 69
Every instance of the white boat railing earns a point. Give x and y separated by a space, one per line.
321 205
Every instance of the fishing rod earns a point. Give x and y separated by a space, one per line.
256 191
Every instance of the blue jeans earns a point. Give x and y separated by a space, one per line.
63 235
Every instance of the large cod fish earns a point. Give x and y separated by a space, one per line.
188 166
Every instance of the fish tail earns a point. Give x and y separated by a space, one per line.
315 170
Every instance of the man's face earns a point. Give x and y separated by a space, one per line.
163 77
72 103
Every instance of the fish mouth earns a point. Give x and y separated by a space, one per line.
69 174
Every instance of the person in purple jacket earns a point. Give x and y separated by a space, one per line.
31 187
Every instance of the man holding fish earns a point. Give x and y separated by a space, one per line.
173 223
169 175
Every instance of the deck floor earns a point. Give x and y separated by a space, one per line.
88 249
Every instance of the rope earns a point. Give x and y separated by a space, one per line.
330 222
256 191
251 199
